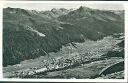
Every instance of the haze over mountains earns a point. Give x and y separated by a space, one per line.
28 34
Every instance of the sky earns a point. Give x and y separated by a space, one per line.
68 5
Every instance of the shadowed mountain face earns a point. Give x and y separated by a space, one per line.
28 34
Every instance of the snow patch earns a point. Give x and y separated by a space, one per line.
12 12
38 33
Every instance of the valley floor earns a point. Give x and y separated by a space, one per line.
73 61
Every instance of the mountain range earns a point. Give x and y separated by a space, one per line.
28 34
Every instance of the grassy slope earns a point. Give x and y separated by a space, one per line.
81 72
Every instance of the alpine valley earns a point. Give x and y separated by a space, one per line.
63 43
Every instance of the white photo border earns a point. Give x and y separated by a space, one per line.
125 3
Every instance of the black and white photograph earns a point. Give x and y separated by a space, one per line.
63 40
